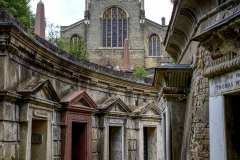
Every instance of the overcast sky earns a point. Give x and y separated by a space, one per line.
66 12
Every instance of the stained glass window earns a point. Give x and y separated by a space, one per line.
154 46
115 27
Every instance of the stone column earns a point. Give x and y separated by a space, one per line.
217 128
168 132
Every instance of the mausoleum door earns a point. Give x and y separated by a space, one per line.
115 143
232 118
150 143
79 140
39 140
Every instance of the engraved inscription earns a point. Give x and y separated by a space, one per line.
225 83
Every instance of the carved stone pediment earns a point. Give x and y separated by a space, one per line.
114 105
79 100
38 88
149 110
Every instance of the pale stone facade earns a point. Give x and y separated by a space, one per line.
139 32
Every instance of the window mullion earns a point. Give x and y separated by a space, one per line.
152 46
156 47
122 31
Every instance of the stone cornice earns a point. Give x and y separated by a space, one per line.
223 66
38 53
12 96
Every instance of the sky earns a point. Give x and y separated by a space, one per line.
66 12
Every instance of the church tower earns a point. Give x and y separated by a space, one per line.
111 23
118 35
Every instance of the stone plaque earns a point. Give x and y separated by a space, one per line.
225 83
37 138
116 121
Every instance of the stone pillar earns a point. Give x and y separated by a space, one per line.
40 24
168 132
217 128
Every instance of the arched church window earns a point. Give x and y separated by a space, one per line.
75 43
154 45
115 27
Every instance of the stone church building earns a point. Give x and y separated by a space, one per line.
117 34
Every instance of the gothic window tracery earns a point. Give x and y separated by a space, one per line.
115 27
154 45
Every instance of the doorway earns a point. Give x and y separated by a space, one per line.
232 120
79 141
115 143
150 143
39 140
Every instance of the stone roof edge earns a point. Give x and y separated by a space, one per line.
54 53
64 28
175 10
155 23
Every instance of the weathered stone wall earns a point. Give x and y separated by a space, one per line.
9 130
196 135
77 28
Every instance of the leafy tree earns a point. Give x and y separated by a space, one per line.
139 73
21 10
53 33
